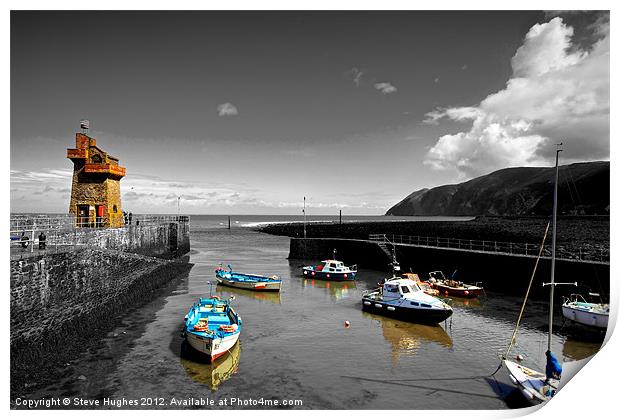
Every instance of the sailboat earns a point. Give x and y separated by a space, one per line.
538 387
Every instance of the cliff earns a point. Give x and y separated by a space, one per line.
583 189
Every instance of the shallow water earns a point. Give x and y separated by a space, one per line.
295 345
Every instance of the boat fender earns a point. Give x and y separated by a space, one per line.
215 297
513 379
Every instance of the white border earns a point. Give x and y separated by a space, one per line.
590 394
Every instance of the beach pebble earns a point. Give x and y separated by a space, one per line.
81 378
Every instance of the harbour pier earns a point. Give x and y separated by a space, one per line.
492 263
75 287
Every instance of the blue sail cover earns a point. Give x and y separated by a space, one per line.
553 369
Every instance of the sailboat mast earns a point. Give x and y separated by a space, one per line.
553 235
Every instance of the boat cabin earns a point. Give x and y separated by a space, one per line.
399 288
437 276
332 266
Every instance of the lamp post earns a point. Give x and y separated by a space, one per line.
304 210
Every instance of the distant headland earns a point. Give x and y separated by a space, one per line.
525 191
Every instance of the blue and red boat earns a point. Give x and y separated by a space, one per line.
212 326
330 270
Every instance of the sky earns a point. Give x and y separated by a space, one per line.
250 112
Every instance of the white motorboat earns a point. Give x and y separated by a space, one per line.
403 299
578 309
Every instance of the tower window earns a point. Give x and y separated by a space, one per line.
114 208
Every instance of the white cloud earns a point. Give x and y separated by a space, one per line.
227 110
385 88
553 95
457 114
356 74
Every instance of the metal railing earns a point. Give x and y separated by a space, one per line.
69 230
589 253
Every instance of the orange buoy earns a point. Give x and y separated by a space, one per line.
201 327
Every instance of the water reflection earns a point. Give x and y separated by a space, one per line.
271 297
466 303
210 374
406 338
580 349
337 289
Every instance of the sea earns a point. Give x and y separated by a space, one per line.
296 350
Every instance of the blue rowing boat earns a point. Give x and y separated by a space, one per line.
228 277
212 326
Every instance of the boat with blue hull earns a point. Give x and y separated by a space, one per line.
403 299
227 277
330 270
212 327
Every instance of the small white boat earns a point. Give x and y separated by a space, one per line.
330 270
578 309
535 386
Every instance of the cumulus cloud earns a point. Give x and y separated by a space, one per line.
227 110
557 93
385 88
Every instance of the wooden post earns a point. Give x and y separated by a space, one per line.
228 222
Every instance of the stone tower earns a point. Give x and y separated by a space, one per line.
96 185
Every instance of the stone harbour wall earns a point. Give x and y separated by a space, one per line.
61 300
64 298
502 273
163 240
